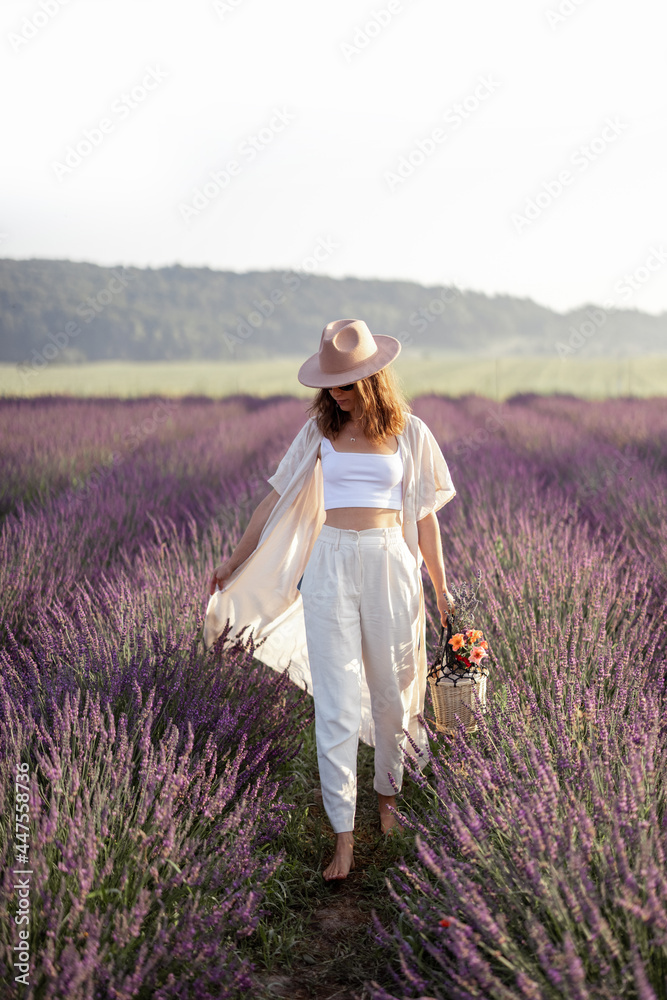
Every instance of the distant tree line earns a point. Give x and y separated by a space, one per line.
52 310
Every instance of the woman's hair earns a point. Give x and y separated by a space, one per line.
384 407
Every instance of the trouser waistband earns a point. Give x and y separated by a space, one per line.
367 536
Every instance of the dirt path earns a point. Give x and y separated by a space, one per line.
335 954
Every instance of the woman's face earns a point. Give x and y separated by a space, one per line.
346 399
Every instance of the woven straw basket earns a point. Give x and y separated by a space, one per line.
456 698
453 688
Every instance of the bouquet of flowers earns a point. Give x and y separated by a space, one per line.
470 647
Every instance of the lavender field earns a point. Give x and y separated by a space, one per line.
168 790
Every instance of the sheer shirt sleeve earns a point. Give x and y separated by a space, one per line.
292 458
434 487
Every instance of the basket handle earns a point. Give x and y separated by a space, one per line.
445 636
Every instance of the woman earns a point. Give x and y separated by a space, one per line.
353 512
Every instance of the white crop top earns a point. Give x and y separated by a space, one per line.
355 479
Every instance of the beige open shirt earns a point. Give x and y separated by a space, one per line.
262 593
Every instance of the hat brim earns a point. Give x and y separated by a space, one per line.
311 374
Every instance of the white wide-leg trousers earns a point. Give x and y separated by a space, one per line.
360 594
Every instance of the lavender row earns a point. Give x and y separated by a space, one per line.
154 800
208 460
154 796
540 869
53 445
204 465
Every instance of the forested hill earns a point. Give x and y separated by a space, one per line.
81 312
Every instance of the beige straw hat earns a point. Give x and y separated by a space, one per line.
348 352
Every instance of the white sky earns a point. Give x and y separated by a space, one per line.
226 67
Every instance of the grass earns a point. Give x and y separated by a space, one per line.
315 940
455 375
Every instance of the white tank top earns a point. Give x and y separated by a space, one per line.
354 479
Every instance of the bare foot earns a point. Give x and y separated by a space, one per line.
388 821
343 860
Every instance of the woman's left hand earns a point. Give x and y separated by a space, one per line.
445 605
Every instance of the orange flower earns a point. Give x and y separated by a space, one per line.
484 644
475 634
457 641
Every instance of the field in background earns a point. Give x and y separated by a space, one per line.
451 375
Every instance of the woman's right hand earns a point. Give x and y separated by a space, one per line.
220 576
446 606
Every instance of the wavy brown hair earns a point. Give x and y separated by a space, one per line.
384 408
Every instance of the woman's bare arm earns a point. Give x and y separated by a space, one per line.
430 544
247 543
